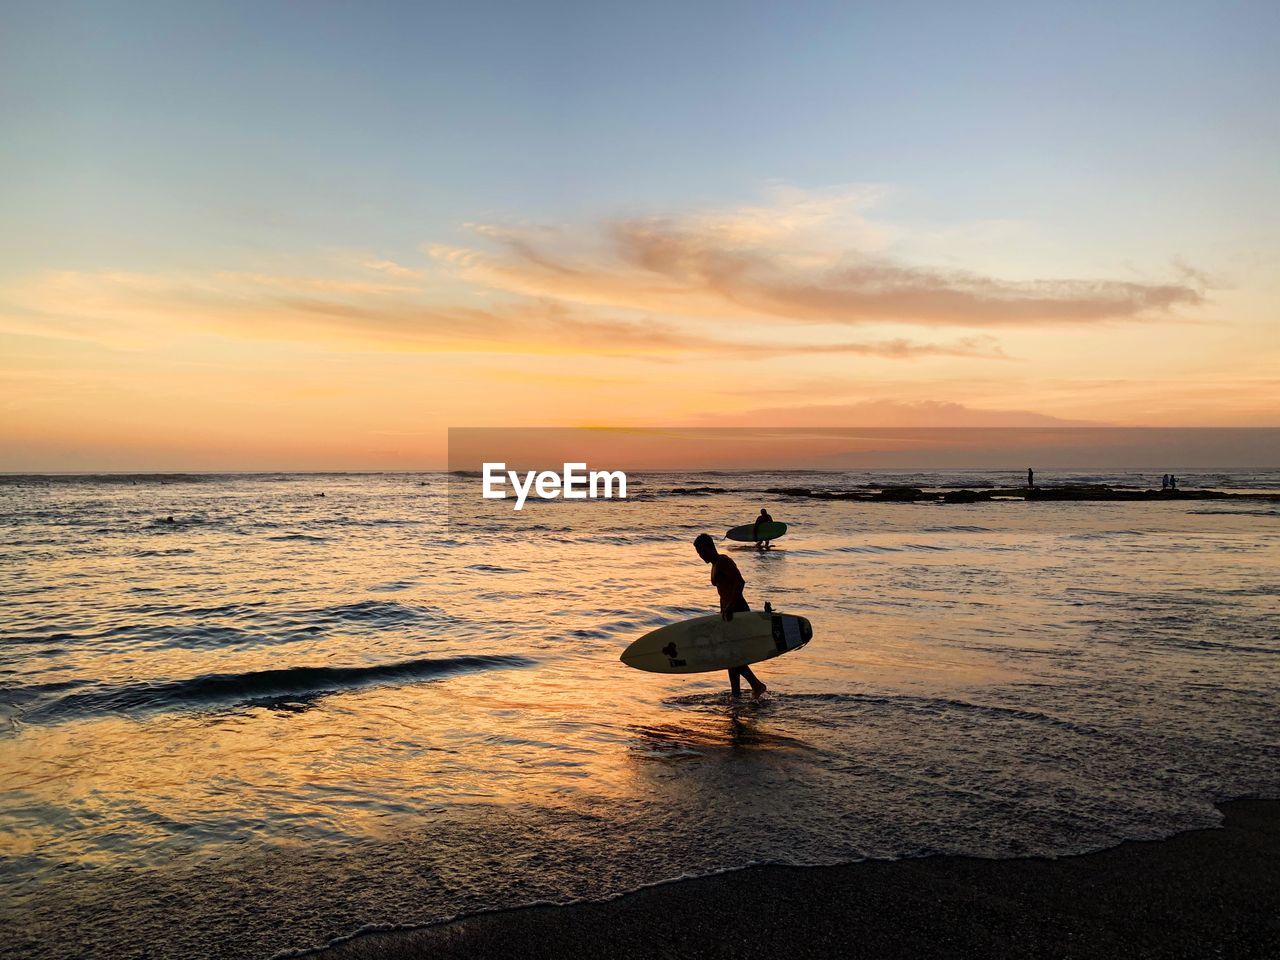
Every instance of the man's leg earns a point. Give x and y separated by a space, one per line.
735 681
757 687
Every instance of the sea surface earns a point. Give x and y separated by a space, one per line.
312 705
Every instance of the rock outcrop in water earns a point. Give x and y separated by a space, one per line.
1052 493
869 493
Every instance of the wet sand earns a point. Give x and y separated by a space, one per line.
1199 894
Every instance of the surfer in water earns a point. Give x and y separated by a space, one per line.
729 583
763 518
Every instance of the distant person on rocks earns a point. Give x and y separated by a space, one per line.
729 584
1173 482
1164 482
1031 477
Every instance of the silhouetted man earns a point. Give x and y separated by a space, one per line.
755 531
1031 477
729 584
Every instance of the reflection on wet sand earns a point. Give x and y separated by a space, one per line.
719 724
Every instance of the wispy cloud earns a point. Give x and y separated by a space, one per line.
731 282
134 311
890 413
808 258
393 269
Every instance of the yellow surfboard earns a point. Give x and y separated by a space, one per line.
712 643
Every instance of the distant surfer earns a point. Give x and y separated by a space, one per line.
729 584
755 533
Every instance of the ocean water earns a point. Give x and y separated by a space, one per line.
285 717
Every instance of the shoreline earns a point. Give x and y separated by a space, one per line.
1198 893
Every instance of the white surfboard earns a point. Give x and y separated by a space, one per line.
711 643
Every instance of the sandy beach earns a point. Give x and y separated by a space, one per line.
1204 893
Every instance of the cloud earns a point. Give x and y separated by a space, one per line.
731 283
137 311
393 269
891 413
808 258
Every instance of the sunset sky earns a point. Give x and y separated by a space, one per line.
315 235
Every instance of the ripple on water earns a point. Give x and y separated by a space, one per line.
254 686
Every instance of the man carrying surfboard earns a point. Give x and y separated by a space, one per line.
729 584
763 518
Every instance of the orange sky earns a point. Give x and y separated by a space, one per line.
232 245
791 314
